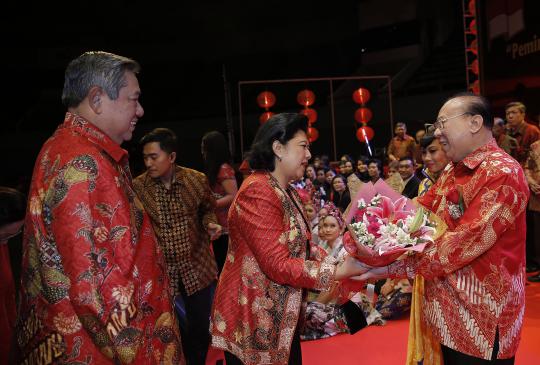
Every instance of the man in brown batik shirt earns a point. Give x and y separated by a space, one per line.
181 207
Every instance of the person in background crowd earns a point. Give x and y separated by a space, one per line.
394 179
12 211
311 174
321 184
418 150
402 145
481 197
222 180
95 289
410 181
362 169
329 174
340 193
374 170
525 133
259 297
181 207
507 143
532 171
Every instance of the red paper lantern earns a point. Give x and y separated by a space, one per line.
311 114
313 134
266 99
475 87
305 97
473 47
472 7
474 67
369 132
361 95
363 115
265 116
472 26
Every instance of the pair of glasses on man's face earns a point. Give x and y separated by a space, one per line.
439 124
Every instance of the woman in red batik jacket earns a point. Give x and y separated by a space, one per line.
260 290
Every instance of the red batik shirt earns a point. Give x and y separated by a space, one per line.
94 287
259 294
475 271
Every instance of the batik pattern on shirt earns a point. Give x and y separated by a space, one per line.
259 294
475 271
180 216
94 288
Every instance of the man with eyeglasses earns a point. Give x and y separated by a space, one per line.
474 294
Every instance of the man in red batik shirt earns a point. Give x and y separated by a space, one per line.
474 290
94 288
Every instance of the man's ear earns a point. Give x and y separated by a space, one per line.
172 157
476 123
94 99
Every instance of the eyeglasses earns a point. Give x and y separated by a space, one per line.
439 124
9 236
429 128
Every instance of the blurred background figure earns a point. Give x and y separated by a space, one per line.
12 211
221 177
401 145
507 143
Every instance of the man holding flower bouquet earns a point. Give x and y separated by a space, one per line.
474 272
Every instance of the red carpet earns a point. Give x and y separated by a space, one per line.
387 345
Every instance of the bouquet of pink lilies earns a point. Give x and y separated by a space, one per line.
383 226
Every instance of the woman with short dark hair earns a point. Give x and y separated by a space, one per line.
259 295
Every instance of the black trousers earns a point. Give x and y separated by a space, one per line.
195 323
453 357
295 357
220 247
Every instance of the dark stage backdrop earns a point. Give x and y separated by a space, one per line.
510 44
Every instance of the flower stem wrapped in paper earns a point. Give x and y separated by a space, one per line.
384 226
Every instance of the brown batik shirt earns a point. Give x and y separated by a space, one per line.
180 216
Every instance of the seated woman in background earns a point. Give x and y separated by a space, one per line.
362 169
325 315
340 193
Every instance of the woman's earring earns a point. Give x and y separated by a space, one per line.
279 158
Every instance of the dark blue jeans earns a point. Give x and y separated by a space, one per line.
194 317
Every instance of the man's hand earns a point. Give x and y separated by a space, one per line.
375 273
214 230
350 267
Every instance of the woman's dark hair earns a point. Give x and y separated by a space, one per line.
164 136
12 205
216 153
281 127
363 158
343 178
426 140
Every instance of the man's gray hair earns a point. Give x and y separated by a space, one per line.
96 68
